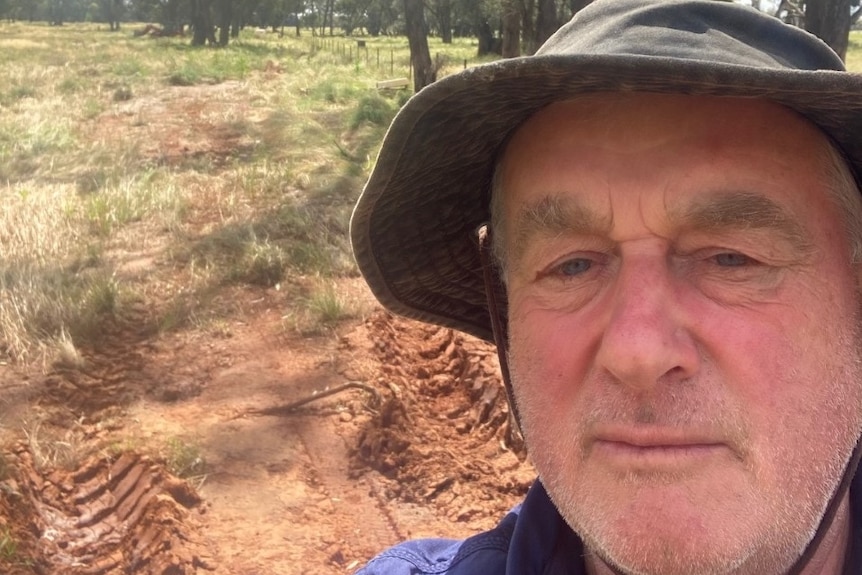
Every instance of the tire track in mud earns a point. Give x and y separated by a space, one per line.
327 452
122 515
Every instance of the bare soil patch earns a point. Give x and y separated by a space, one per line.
319 489
171 451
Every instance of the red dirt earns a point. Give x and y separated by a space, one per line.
318 489
85 486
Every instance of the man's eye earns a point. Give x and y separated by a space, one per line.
732 260
574 267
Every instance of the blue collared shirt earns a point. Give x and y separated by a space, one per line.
532 539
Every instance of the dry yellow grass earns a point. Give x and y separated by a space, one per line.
141 171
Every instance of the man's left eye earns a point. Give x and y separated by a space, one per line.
732 259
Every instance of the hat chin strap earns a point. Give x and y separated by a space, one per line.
829 517
494 287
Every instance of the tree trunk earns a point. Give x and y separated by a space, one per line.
57 12
511 30
527 10
202 21
485 34
791 12
444 16
225 17
170 17
546 21
424 72
578 5
830 21
329 13
236 24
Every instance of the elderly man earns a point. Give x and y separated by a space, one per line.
667 193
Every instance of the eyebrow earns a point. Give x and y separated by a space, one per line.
553 215
742 211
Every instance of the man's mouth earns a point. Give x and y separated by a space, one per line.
657 449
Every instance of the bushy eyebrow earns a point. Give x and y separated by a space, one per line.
742 211
712 212
554 215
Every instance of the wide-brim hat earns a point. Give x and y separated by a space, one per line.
414 226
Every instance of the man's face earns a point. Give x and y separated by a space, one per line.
683 327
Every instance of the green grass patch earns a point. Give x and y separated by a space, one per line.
248 176
373 109
185 459
8 545
321 308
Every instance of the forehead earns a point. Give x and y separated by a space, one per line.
657 118
626 144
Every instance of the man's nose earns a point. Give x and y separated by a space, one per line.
647 337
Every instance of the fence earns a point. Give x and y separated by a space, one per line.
386 60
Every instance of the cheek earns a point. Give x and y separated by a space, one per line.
550 361
551 352
792 370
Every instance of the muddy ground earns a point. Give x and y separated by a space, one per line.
411 442
177 451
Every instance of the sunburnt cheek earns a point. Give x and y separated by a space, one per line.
556 344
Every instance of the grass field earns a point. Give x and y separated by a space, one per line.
227 166
238 165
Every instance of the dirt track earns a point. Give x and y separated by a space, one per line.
315 490
85 480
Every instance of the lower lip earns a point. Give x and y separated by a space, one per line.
655 457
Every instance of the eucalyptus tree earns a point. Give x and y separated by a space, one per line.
831 20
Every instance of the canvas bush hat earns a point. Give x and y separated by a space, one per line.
414 226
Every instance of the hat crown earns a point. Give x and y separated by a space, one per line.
693 30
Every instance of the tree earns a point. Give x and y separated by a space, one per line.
111 12
202 23
576 6
830 20
424 72
56 12
171 19
442 11
546 21
511 29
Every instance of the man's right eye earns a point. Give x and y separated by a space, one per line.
574 267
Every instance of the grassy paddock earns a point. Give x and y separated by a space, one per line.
214 167
217 166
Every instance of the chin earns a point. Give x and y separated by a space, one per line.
666 530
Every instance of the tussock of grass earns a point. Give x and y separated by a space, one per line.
55 449
372 108
8 545
114 204
51 282
261 253
185 459
321 309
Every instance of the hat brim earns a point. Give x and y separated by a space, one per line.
413 228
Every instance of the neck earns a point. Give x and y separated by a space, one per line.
828 559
